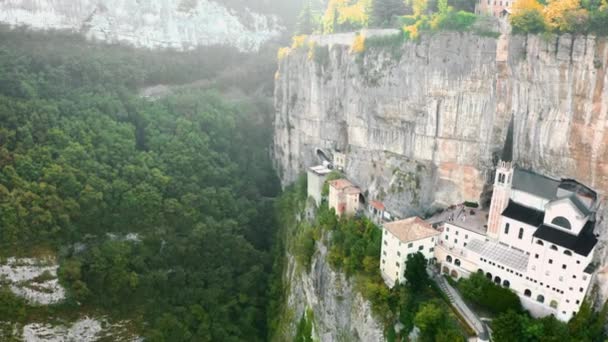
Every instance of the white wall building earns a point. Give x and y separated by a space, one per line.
538 241
316 177
400 239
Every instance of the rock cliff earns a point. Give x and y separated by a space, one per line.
177 24
340 312
423 123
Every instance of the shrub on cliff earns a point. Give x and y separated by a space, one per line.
481 291
528 21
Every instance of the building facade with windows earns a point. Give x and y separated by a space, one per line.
344 197
538 241
400 239
497 8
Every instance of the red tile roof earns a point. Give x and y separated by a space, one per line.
378 205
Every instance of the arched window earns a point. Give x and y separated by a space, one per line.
506 283
562 222
454 274
554 247
540 298
553 304
538 242
567 252
528 293
457 262
497 280
489 275
521 233
448 258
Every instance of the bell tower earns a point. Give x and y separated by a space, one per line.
502 186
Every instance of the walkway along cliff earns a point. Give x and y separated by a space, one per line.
422 123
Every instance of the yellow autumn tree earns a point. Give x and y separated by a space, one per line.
351 13
556 11
419 6
520 6
358 44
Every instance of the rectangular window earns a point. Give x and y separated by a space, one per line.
536 256
466 237
455 240
385 243
398 253
563 266
410 245
550 261
397 264
507 228
456 233
431 249
420 248
521 233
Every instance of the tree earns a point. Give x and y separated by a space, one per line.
555 14
430 319
306 20
415 272
527 17
507 327
383 11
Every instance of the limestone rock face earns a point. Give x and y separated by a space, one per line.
177 24
424 123
340 312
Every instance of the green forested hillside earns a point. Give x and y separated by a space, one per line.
81 156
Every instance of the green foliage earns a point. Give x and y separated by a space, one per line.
305 246
481 291
81 156
432 321
12 308
598 22
304 329
384 12
586 325
415 272
529 21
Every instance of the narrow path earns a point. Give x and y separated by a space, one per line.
457 302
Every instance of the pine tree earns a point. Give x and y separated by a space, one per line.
306 20
383 11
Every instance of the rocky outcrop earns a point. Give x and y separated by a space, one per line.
340 312
177 24
423 123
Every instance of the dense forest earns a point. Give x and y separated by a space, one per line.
83 160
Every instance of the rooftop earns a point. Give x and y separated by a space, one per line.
524 214
320 170
461 216
341 184
411 229
499 253
581 244
378 205
533 183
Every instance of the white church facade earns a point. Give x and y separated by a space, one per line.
538 241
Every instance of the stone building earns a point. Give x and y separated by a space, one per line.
497 8
344 197
400 239
316 177
539 240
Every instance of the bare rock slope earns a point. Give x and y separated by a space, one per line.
178 24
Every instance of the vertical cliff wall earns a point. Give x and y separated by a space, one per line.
422 124
340 312
177 24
